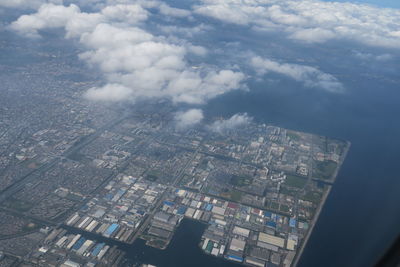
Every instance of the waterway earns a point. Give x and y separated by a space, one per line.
360 218
183 250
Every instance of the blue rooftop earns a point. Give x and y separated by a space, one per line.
97 249
111 229
292 222
181 210
121 191
267 214
169 203
140 212
79 243
235 258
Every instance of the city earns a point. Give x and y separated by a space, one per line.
199 133
259 188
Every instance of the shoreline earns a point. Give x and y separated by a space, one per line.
318 212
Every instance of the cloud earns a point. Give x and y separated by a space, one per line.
309 76
197 50
188 118
311 21
26 4
109 93
191 87
237 120
369 56
314 35
163 8
166 10
130 14
48 16
185 31
136 64
152 68
76 22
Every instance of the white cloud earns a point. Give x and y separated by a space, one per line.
48 16
186 31
311 21
188 118
163 8
237 120
81 23
26 4
197 50
309 76
130 14
369 56
166 10
109 93
314 35
76 22
136 63
194 88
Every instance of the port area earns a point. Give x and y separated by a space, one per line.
258 189
233 231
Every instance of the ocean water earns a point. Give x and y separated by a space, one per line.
183 250
360 218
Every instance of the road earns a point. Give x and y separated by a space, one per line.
15 187
170 188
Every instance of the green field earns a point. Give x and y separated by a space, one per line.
236 196
30 227
18 205
325 169
241 180
274 205
314 197
284 208
152 175
295 181
288 191
233 195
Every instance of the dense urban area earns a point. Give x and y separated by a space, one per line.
69 167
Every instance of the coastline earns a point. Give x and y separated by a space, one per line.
318 212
